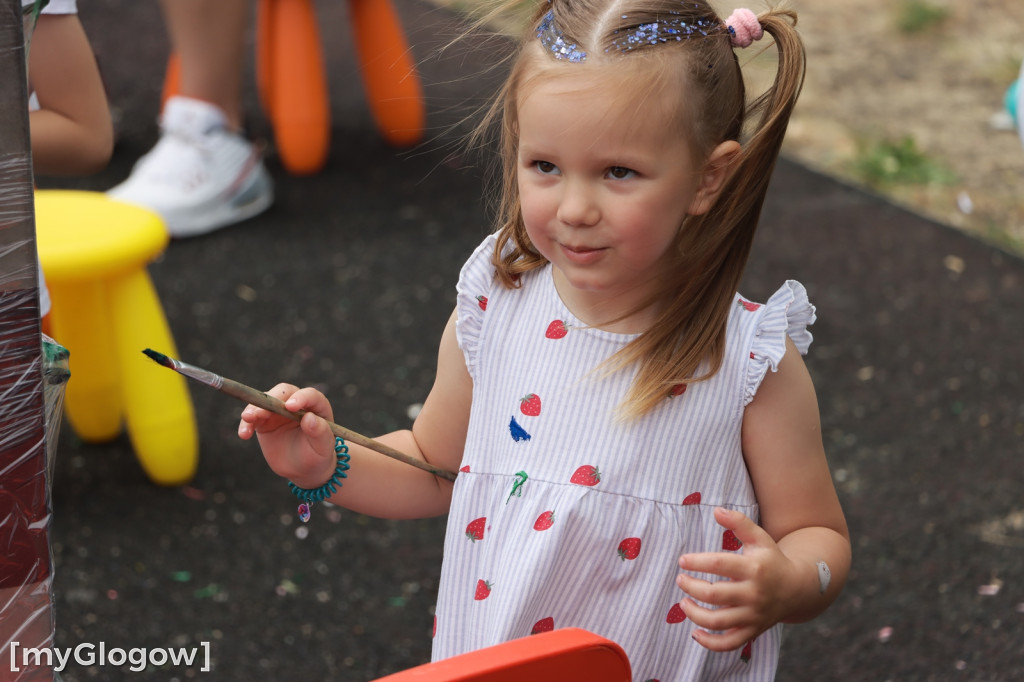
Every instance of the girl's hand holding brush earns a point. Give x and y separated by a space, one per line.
301 451
301 443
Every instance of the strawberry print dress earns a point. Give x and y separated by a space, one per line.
564 516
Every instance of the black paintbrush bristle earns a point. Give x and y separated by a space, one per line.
159 357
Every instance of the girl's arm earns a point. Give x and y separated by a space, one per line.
376 485
777 577
72 133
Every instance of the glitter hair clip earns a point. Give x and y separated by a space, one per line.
674 28
744 28
552 38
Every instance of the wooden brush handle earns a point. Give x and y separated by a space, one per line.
272 404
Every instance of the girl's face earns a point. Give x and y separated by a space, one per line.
604 184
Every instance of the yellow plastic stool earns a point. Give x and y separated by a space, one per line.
94 252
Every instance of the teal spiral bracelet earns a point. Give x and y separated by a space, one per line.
310 497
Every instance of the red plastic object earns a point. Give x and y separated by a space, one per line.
556 656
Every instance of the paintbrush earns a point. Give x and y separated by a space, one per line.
250 395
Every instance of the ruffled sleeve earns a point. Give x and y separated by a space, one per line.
476 281
787 313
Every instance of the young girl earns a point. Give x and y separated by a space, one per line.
639 447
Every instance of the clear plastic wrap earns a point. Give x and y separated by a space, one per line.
31 384
26 579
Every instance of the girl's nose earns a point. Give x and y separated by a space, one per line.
578 206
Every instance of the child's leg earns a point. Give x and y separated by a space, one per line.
209 39
226 181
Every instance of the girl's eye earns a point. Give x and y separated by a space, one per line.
546 167
620 173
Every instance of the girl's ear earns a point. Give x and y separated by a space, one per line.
712 178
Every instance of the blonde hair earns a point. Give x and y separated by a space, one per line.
686 343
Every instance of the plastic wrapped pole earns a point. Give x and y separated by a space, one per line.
26 615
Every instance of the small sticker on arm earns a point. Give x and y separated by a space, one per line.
824 576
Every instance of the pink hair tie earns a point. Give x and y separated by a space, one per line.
744 28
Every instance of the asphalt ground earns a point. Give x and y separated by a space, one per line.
347 282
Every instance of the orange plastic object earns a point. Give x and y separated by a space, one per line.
293 87
295 84
389 74
172 79
556 656
105 311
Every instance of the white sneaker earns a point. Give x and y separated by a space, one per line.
200 176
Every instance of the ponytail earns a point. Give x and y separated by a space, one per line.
687 342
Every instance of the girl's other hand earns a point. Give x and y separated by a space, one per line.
302 451
755 594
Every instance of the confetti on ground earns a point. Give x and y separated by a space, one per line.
990 590
181 576
286 587
211 590
1006 531
954 264
193 493
885 634
246 293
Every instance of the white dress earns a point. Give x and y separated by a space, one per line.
563 516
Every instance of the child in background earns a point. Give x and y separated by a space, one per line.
204 173
69 118
639 446
71 130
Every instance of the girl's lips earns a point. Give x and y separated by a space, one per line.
581 255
